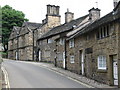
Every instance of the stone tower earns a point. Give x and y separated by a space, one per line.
115 2
52 17
69 16
94 14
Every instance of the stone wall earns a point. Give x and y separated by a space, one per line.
60 49
105 46
53 21
47 50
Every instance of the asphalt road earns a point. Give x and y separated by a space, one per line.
27 75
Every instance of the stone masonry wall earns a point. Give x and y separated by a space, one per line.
105 46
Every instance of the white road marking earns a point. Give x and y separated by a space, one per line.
6 78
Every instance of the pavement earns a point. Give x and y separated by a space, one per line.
75 77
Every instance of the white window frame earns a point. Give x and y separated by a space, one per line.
62 41
72 59
103 32
50 40
102 62
71 43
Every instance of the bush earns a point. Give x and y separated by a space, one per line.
3 54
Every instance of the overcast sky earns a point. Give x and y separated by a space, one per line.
35 10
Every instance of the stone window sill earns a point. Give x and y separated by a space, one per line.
101 71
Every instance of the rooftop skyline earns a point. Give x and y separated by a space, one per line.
35 10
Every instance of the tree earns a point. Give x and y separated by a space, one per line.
10 18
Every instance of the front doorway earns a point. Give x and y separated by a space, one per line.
115 71
39 55
63 59
16 55
82 61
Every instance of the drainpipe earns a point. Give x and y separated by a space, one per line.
32 30
17 47
65 55
55 58
118 54
33 45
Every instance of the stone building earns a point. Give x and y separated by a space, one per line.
94 50
22 41
52 46
88 45
20 45
52 19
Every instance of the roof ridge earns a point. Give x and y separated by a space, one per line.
63 27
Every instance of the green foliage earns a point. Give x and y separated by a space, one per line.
10 18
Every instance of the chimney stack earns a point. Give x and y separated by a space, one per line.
52 10
94 14
115 2
53 18
69 16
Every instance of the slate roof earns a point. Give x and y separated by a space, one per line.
112 16
24 29
14 32
63 28
29 26
33 25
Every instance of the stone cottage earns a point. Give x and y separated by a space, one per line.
94 50
22 40
52 45
20 45
52 20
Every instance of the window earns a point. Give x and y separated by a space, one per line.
88 37
71 43
72 59
60 56
103 32
39 42
62 41
49 41
102 62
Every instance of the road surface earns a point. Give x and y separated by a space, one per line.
28 75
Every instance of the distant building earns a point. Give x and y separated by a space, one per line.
22 41
20 45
